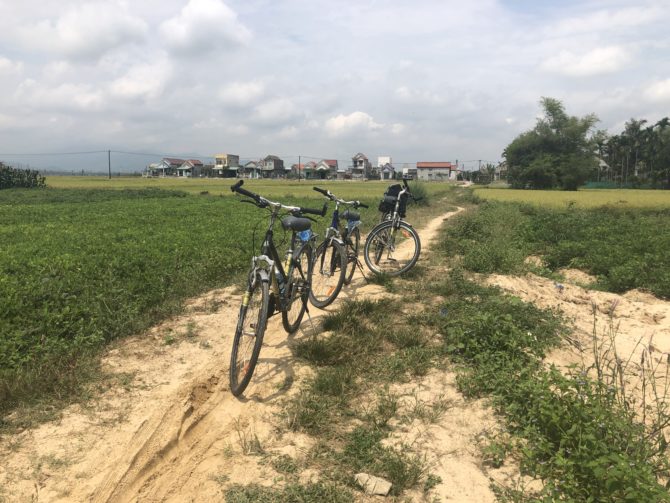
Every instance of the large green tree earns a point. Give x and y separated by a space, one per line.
557 152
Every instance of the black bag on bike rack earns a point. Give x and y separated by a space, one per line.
387 204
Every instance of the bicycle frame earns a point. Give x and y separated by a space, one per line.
269 263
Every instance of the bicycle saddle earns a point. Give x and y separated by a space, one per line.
351 216
296 224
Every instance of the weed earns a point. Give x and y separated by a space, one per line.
284 464
247 439
221 479
318 492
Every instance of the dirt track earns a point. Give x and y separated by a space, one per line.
171 430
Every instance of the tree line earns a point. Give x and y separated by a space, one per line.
13 177
564 151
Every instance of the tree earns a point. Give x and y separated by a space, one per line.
557 152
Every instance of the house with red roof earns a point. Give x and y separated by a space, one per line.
326 168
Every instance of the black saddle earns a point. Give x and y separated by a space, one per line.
296 224
352 216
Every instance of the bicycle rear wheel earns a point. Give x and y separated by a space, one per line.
390 250
330 264
352 244
249 333
297 289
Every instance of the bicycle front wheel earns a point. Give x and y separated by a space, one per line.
249 333
330 264
352 244
297 289
390 250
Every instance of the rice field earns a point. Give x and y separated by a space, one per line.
586 198
221 186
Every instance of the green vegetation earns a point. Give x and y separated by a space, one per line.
369 348
291 493
557 152
638 156
13 178
570 431
623 248
81 267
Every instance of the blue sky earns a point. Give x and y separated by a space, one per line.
417 81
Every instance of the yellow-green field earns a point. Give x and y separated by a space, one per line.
585 198
216 186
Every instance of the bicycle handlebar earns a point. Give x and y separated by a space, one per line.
321 212
332 197
263 202
238 188
323 191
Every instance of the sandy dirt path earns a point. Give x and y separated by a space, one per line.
170 430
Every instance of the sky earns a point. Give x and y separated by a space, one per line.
420 80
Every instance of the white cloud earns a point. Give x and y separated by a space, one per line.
658 92
275 111
9 67
594 62
203 26
63 97
410 96
143 81
398 128
355 122
605 20
242 93
86 31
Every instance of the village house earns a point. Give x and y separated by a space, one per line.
226 165
309 170
273 167
190 167
326 168
361 167
298 170
251 169
436 171
167 167
387 172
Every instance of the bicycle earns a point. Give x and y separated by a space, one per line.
337 255
392 246
272 286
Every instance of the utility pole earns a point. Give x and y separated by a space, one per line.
109 163
298 168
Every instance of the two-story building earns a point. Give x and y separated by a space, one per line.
273 167
360 167
226 165
435 171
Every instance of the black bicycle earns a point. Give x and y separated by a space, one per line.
392 246
337 255
272 287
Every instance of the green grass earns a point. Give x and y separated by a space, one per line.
583 198
84 266
624 248
291 493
